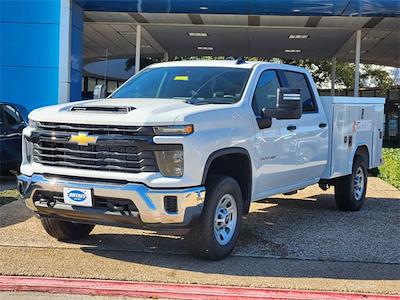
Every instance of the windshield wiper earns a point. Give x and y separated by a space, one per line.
197 101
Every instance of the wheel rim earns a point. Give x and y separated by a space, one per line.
225 219
359 184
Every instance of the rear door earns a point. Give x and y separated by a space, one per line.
311 130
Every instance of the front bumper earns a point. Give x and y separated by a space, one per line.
150 204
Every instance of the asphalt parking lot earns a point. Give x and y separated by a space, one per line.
299 241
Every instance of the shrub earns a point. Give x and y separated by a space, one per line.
390 170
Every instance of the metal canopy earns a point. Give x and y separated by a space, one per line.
243 35
380 8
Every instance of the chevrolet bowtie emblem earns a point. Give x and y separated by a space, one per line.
83 139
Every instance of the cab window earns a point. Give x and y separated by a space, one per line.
265 93
295 80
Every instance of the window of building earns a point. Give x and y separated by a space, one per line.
266 91
91 84
111 86
299 81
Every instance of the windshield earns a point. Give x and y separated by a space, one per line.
196 84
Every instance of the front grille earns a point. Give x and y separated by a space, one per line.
117 148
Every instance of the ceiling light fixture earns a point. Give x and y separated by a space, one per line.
205 48
203 7
292 51
198 34
371 39
354 51
299 36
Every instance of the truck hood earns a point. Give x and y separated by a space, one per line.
133 112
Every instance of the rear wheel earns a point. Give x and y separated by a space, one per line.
350 190
216 231
66 231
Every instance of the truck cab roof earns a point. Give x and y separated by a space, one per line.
227 64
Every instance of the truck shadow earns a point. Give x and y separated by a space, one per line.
283 238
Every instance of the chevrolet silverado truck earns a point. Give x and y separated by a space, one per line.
184 148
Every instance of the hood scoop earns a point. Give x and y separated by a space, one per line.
106 109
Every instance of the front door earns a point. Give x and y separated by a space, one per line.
276 146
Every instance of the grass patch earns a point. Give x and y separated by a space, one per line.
8 196
390 170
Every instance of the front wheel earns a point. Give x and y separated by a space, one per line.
216 231
350 190
66 231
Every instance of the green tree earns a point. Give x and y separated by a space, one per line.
321 71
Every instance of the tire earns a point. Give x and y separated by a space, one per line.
350 190
212 239
66 231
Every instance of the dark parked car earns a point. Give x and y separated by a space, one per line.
13 119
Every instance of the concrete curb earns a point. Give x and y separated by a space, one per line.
166 290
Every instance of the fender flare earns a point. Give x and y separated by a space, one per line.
227 151
219 153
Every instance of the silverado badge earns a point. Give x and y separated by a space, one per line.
83 139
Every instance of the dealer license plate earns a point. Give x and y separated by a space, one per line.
78 197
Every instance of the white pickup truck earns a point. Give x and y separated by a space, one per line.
185 147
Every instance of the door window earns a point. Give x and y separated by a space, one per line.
11 115
297 80
265 93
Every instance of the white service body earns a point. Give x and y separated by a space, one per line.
353 122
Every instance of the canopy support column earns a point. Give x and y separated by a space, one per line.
357 64
333 76
137 47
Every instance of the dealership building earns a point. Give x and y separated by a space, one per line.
54 51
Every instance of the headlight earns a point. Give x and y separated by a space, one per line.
170 162
173 130
32 123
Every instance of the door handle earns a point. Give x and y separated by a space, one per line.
291 127
322 125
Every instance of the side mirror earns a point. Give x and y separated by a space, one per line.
288 106
99 91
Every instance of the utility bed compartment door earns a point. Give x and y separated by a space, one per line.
378 136
353 126
340 144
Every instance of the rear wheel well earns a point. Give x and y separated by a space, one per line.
236 165
364 153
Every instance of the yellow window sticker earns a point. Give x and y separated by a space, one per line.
183 78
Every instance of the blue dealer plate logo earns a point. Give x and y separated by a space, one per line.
77 196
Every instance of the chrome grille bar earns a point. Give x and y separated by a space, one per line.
96 129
